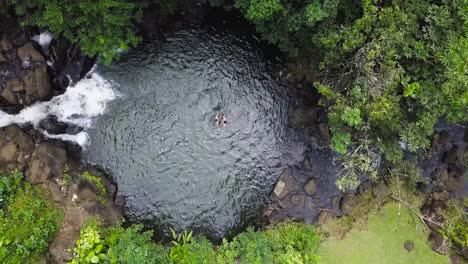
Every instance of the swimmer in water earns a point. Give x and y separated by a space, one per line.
217 120
224 120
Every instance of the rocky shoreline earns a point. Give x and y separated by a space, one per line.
26 78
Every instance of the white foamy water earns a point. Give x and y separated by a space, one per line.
78 105
43 39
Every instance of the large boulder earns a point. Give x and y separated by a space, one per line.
28 54
286 183
47 162
37 85
16 147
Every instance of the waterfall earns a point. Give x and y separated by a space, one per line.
80 103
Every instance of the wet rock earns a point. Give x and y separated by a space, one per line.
310 187
438 243
299 200
11 90
324 131
302 116
285 184
409 245
28 54
306 164
55 127
47 162
37 85
62 242
347 203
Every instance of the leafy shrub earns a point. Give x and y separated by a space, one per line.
250 247
189 250
28 221
294 243
103 28
117 245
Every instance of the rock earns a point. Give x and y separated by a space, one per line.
454 184
86 192
324 131
55 191
444 138
302 116
464 253
436 196
306 164
27 53
443 176
55 127
37 85
409 245
47 162
62 242
335 202
310 187
347 203
323 217
454 259
299 200
285 184
5 45
3 58
438 243
9 153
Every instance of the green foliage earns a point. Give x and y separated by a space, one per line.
101 27
294 243
131 245
89 248
455 226
28 221
249 247
189 250
98 182
117 245
67 178
290 243
341 142
286 243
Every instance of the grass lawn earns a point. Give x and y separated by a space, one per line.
381 241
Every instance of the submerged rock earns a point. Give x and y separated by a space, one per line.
310 187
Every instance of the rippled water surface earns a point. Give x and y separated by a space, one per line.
159 141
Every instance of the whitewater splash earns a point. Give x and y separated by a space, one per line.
79 105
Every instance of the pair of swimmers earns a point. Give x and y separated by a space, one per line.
220 120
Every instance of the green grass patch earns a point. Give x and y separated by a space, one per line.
381 241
